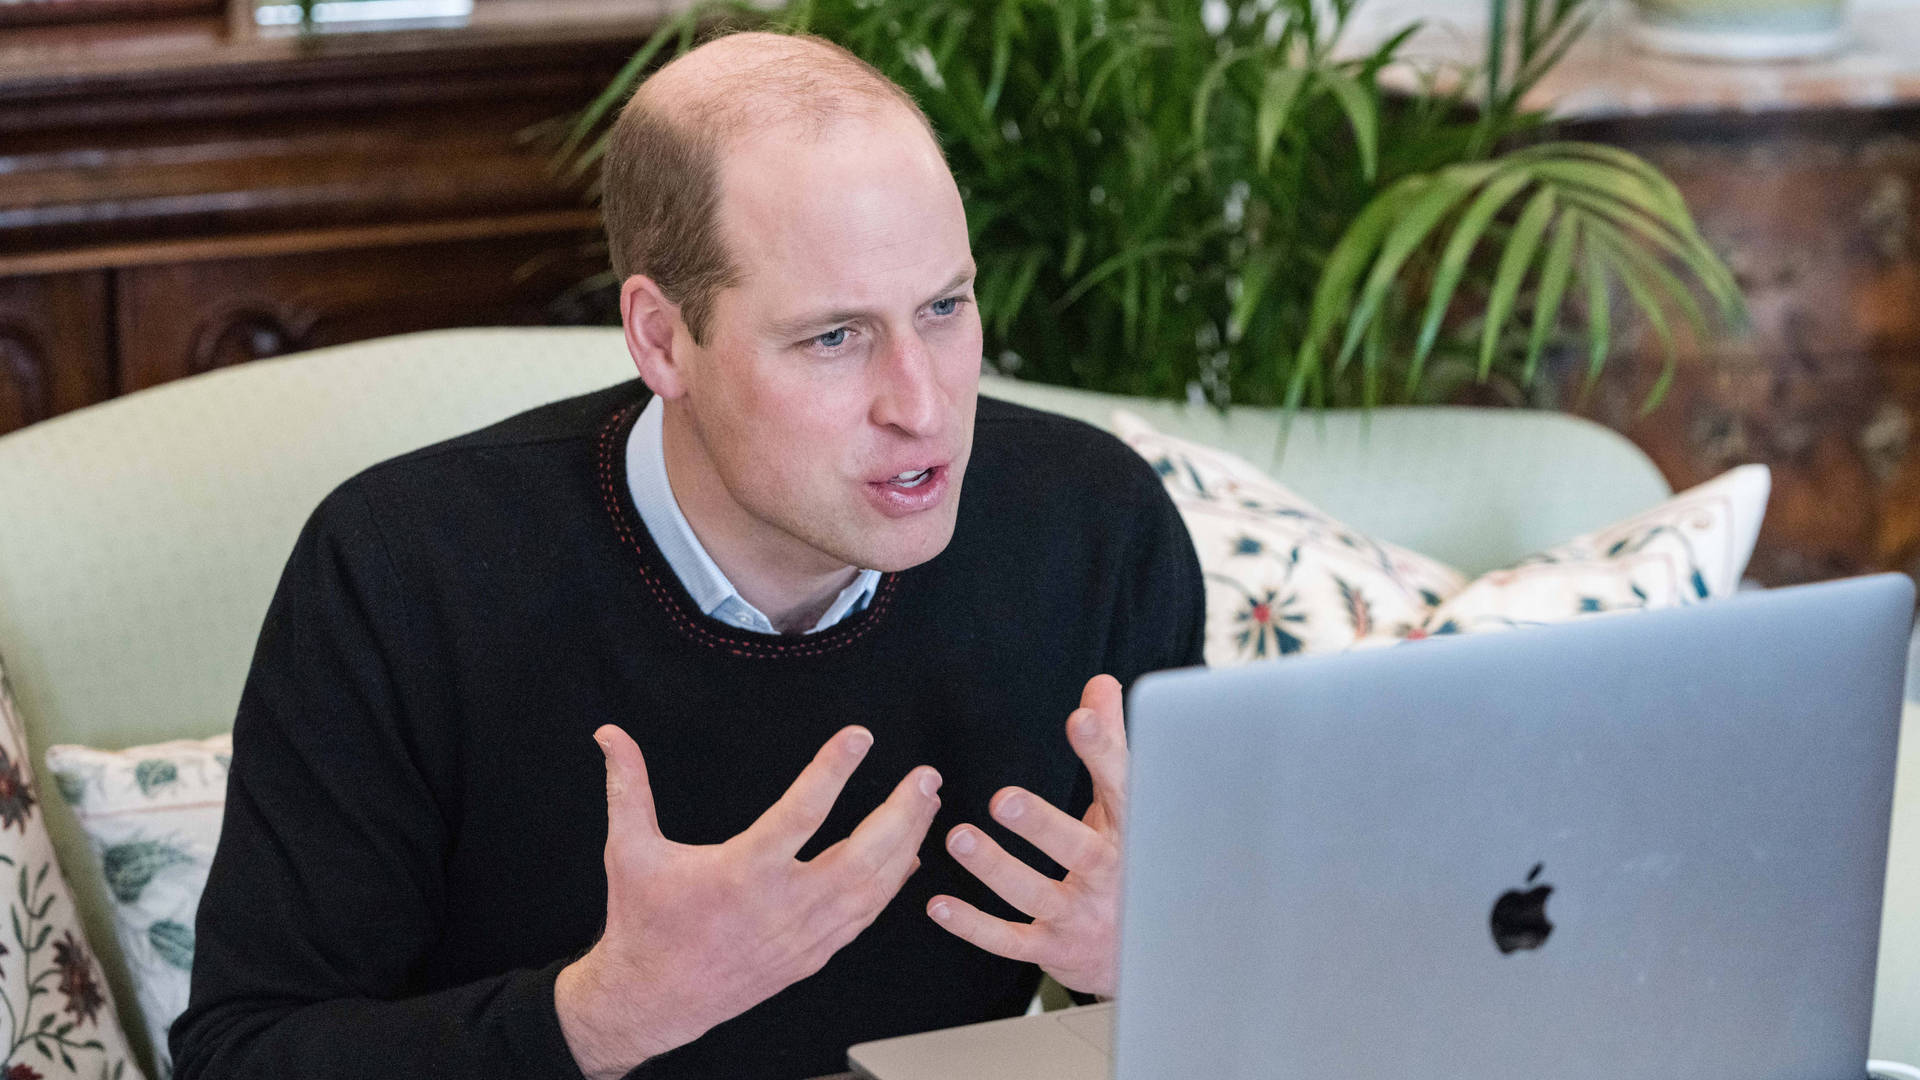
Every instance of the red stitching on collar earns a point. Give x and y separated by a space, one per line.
687 622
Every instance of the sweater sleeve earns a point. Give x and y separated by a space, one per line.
327 886
1159 619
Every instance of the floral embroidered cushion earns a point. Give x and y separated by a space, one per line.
1690 548
152 817
1282 577
56 1014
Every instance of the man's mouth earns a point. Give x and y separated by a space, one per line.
910 491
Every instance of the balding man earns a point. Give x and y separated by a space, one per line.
833 798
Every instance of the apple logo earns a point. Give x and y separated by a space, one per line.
1520 918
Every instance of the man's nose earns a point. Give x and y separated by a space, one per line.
908 396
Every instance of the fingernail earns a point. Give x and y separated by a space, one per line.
963 842
941 912
602 743
929 783
1009 809
1085 723
859 742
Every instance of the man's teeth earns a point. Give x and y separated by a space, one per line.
911 479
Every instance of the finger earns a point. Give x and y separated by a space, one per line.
791 821
1062 837
890 835
839 917
629 794
1015 941
1102 695
1012 880
1098 733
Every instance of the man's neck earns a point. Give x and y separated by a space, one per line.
791 584
804 618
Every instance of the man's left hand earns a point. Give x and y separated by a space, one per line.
1074 935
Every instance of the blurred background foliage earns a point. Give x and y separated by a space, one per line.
1201 199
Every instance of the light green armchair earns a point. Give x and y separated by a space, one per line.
142 538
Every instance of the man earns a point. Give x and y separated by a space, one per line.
753 583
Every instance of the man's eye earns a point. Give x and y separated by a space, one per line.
832 339
947 306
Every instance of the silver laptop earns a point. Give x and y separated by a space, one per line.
1625 848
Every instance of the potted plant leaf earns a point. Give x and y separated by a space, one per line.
1211 200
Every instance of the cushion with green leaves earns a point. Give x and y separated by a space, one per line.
152 817
57 1017
1283 577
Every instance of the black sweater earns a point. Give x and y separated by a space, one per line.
412 842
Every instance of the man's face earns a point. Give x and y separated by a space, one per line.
848 355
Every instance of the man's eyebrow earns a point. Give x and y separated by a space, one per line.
959 279
796 327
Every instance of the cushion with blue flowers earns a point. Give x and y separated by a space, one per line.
152 818
57 1017
1283 577
1690 548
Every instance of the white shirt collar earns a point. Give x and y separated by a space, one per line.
710 589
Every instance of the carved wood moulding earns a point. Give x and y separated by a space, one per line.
249 332
23 361
53 346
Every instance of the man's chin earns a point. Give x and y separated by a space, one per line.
906 547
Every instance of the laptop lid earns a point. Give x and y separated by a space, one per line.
1680 818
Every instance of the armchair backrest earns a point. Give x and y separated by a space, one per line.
1475 488
142 538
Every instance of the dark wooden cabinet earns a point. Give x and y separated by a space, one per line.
182 318
180 192
1816 213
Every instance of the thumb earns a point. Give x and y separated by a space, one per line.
629 795
1103 696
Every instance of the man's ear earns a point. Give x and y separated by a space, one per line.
651 321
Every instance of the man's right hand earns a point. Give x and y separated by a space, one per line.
698 934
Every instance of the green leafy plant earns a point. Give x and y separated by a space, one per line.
1177 198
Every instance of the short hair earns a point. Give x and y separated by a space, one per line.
660 181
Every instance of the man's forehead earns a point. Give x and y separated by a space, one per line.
851 205
770 163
